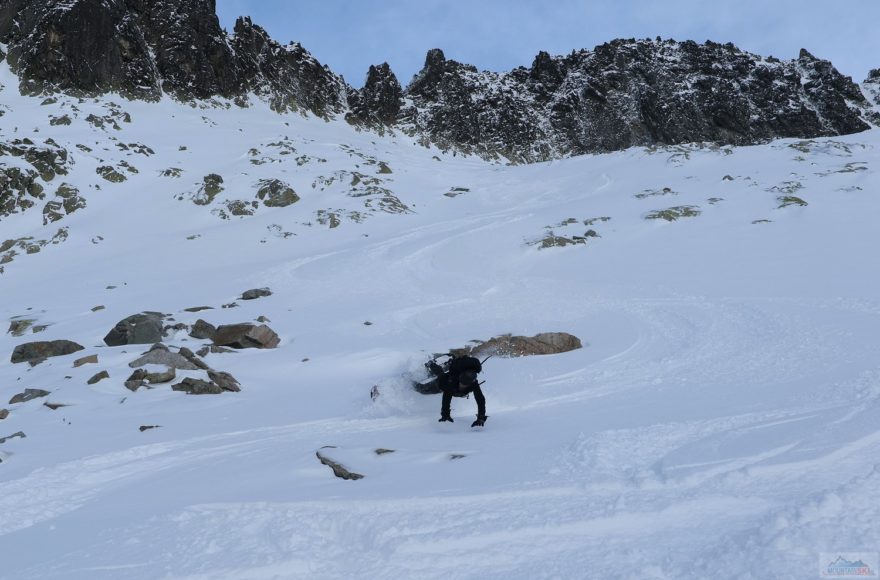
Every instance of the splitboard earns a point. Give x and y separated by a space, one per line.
431 387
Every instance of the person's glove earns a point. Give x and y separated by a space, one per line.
480 422
444 418
434 368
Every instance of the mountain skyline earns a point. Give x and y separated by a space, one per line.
500 36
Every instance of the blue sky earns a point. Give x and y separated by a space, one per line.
499 35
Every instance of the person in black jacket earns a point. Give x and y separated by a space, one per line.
460 380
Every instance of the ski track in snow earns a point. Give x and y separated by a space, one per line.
722 419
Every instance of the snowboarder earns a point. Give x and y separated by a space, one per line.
459 380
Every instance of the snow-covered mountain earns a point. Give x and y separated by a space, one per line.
719 420
621 94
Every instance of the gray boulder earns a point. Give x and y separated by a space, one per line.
508 346
213 349
3 414
28 395
276 193
162 377
137 380
339 470
160 355
99 377
193 359
13 436
246 335
225 381
36 352
202 330
19 327
197 387
255 293
144 328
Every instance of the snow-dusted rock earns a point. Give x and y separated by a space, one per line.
144 328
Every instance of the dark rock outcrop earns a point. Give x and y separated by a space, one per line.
197 387
255 293
28 395
137 380
872 86
225 381
159 354
144 328
144 48
246 335
276 193
339 470
20 326
34 352
86 360
98 378
287 76
628 92
202 330
379 101
166 376
20 434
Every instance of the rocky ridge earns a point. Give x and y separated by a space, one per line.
621 94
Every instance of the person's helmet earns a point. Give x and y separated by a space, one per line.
468 378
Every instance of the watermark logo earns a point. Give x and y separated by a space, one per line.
849 564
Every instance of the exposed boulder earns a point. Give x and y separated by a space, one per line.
211 187
36 352
202 330
162 377
193 359
137 380
28 395
86 360
197 387
276 193
160 355
19 190
246 335
509 346
213 349
339 470
144 328
3 414
225 381
255 293
20 434
99 377
67 202
19 327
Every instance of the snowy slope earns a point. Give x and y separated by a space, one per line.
722 420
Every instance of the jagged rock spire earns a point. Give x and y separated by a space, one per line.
381 98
